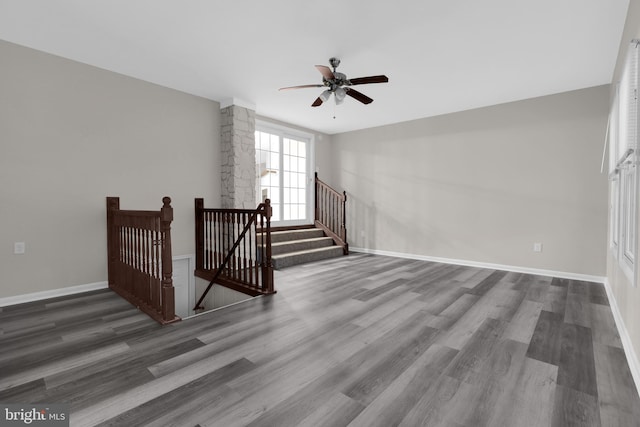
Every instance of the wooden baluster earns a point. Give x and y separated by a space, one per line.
220 239
252 238
150 285
236 234
212 240
158 252
243 262
145 261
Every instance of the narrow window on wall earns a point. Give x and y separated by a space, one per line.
614 155
628 202
624 164
614 232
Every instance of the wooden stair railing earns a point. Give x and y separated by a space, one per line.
233 249
330 213
139 259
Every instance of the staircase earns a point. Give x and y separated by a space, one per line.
298 246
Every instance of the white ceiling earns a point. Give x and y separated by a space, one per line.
440 56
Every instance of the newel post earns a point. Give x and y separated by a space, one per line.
168 296
113 244
317 205
344 223
199 210
267 269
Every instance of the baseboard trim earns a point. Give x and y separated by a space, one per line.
70 290
632 357
53 293
515 269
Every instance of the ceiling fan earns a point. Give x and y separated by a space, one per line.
339 85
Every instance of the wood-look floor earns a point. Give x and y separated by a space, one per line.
360 340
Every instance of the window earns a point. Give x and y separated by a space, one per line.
614 213
623 165
283 165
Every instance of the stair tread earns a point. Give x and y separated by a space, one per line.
297 234
291 242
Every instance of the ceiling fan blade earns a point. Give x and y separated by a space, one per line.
299 87
359 96
326 72
370 79
317 102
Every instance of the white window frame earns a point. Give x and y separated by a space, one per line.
614 207
286 132
614 214
623 162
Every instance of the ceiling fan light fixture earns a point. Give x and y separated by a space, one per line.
340 95
325 95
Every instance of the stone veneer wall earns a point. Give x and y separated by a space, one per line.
238 126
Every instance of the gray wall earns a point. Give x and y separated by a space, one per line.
627 295
70 135
484 185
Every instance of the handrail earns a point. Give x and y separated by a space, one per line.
246 265
330 213
139 258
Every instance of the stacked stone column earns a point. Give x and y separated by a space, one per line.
238 148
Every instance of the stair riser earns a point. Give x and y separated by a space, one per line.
290 260
300 245
284 236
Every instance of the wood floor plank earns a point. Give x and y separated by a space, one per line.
43 370
575 409
603 326
121 364
391 406
372 293
576 369
556 299
484 308
616 389
366 388
177 406
488 283
577 310
529 400
439 405
442 298
523 323
546 341
476 350
336 411
455 310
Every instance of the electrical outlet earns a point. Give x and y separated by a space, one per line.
19 248
537 247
